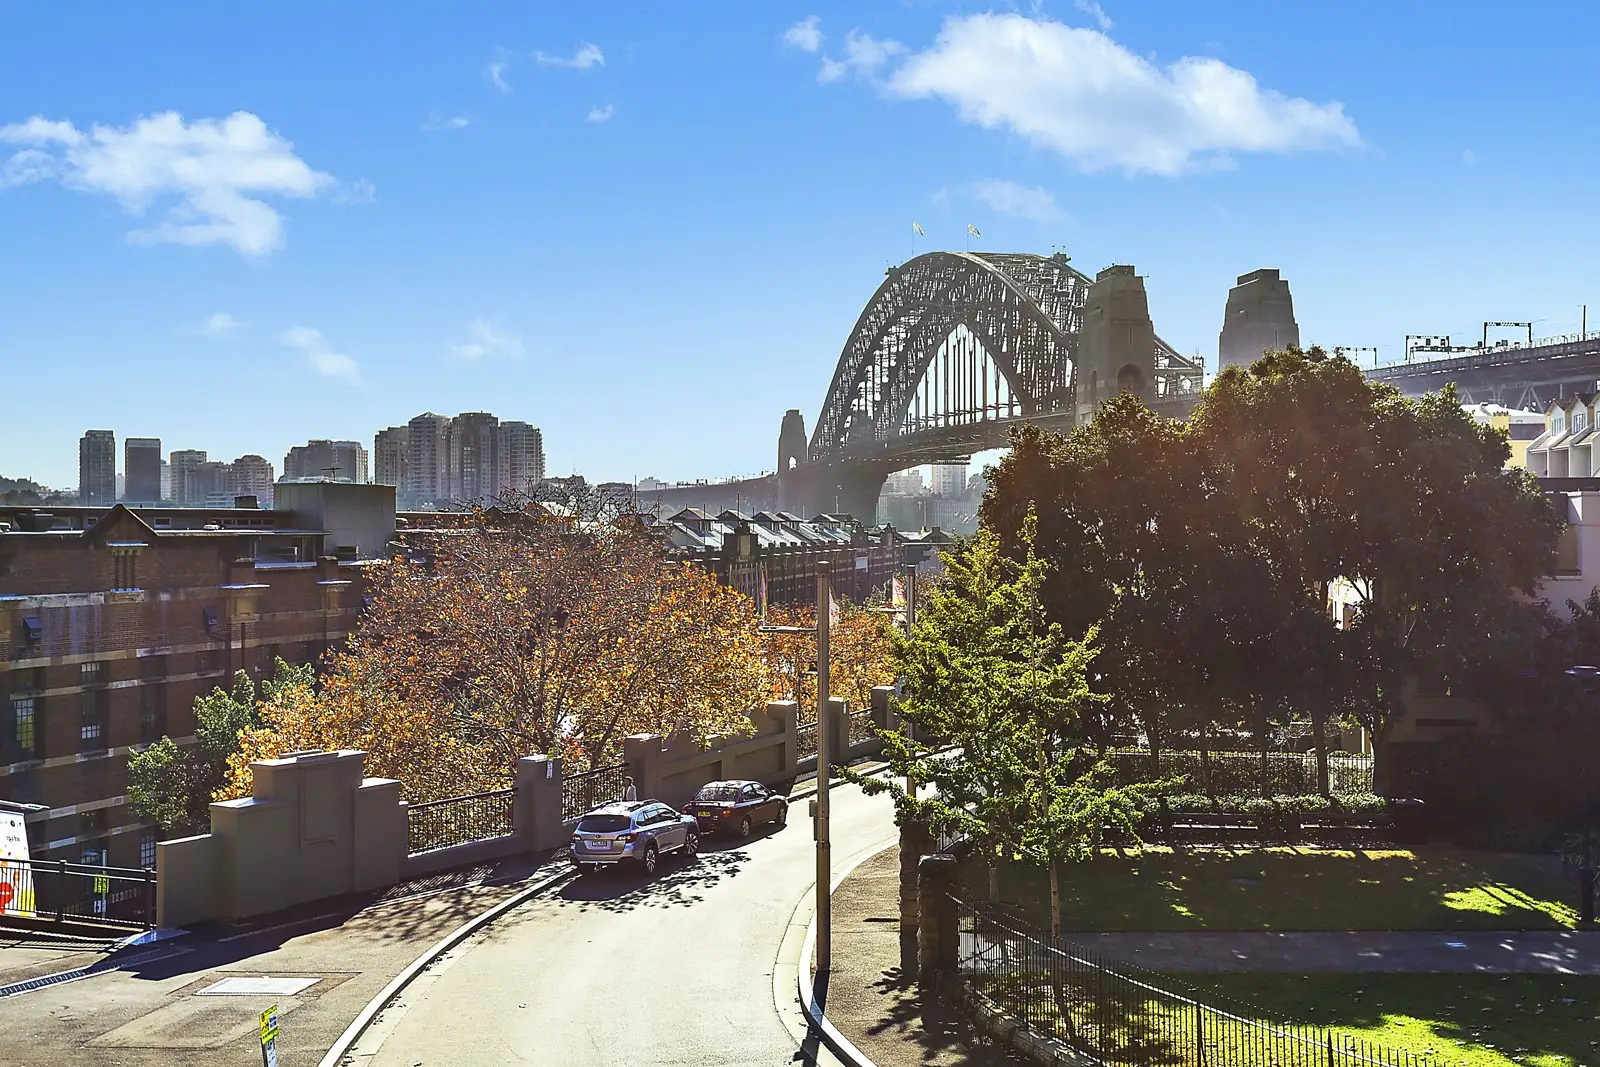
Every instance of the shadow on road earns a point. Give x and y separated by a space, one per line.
678 882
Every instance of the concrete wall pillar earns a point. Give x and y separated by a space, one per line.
643 755
883 714
786 713
380 838
937 947
915 842
839 730
536 808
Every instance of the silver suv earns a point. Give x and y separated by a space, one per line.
632 831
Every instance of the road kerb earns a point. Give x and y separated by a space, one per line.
387 994
787 968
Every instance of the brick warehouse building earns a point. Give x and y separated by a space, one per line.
113 620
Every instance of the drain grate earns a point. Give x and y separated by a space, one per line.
98 967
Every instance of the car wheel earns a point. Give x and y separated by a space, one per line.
691 845
650 859
783 818
744 826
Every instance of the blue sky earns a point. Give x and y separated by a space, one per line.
649 228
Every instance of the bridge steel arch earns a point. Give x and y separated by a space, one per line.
1025 310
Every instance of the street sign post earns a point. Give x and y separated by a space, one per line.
269 1037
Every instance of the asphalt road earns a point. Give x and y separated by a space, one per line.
614 970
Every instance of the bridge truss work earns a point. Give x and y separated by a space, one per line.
956 340
951 352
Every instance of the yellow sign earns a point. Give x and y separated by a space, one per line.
269 1024
102 884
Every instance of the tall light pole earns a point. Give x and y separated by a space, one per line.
824 740
824 745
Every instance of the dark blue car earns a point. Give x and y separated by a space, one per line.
737 808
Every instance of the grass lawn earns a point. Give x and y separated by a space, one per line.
1297 889
1477 1020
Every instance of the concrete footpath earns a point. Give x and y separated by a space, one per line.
150 1006
872 996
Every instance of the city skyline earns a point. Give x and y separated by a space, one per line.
417 261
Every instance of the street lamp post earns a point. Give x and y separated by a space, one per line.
1586 868
824 745
824 740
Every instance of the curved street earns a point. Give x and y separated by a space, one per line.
613 969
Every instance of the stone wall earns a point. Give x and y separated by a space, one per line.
315 827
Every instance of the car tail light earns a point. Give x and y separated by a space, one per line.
629 839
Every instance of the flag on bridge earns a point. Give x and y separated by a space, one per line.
915 225
973 230
833 610
897 593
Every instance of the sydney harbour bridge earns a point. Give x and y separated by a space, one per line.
952 352
957 348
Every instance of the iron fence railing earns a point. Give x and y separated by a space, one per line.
861 729
1240 773
78 892
1120 1018
589 789
806 740
459 820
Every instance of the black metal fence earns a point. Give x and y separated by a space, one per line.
806 741
861 730
62 892
589 789
1059 990
1240 773
459 820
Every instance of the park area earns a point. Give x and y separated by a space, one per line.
1226 895
1296 888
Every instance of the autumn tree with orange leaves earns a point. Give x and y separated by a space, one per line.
522 632
859 648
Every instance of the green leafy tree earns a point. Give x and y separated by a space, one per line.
1334 476
172 785
988 675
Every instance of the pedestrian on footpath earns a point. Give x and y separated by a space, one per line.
628 791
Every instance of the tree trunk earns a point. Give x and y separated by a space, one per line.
1055 898
1264 737
1319 733
1205 758
1151 730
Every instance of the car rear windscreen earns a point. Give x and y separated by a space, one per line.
718 792
604 824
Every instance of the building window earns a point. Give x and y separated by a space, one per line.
205 661
124 569
147 849
153 668
91 673
1579 421
269 655
1558 422
92 721
22 736
152 712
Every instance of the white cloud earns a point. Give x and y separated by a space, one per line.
1094 11
1018 201
805 35
497 75
220 325
436 123
216 170
863 55
601 114
1081 94
1469 157
587 55
323 359
485 340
